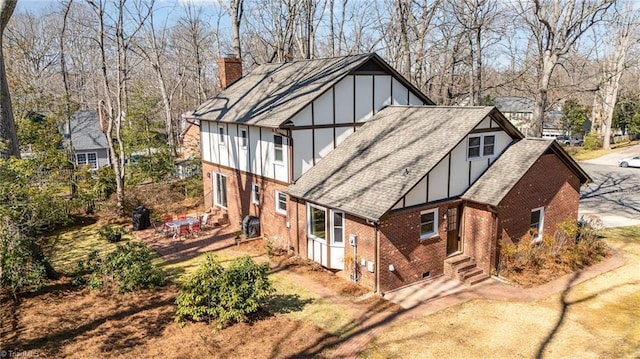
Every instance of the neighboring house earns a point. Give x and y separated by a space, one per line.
190 139
89 142
348 164
518 110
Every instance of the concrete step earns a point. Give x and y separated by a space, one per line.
457 260
470 273
465 266
481 277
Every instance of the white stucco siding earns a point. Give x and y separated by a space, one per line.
399 93
254 150
438 178
414 100
205 138
503 140
323 109
417 195
344 103
243 151
459 181
382 92
303 118
302 152
266 148
477 168
364 98
486 123
342 133
323 142
223 144
232 146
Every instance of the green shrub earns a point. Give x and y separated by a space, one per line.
129 267
113 234
592 141
224 295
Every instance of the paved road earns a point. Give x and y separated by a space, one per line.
614 195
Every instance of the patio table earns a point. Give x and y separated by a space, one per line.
175 224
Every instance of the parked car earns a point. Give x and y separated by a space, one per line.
630 162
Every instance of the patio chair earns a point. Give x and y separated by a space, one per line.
183 230
195 228
204 221
160 228
182 216
167 218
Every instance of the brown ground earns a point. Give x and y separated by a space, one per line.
64 322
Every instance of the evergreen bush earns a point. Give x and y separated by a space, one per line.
229 295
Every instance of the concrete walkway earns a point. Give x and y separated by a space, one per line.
443 292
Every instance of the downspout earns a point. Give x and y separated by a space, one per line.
376 287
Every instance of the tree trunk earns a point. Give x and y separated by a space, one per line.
8 132
541 97
237 8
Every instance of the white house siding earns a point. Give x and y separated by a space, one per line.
382 95
323 124
364 98
303 154
353 100
323 142
323 109
205 139
399 93
438 181
455 174
343 93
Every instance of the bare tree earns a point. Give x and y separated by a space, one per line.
621 33
236 8
555 26
112 109
8 133
476 18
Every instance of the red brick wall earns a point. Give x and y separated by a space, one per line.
479 234
191 142
548 183
229 71
365 242
239 202
400 245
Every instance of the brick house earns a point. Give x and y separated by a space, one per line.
349 165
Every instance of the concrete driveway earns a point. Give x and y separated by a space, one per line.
614 195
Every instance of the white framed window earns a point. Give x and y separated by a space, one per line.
428 223
337 228
278 149
243 138
537 222
255 194
481 146
281 202
220 190
90 158
316 222
221 135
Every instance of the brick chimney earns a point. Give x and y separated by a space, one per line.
229 70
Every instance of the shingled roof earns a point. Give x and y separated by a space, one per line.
273 93
512 165
387 157
86 133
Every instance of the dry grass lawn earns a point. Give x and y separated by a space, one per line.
309 317
599 318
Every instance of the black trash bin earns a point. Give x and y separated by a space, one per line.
140 218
